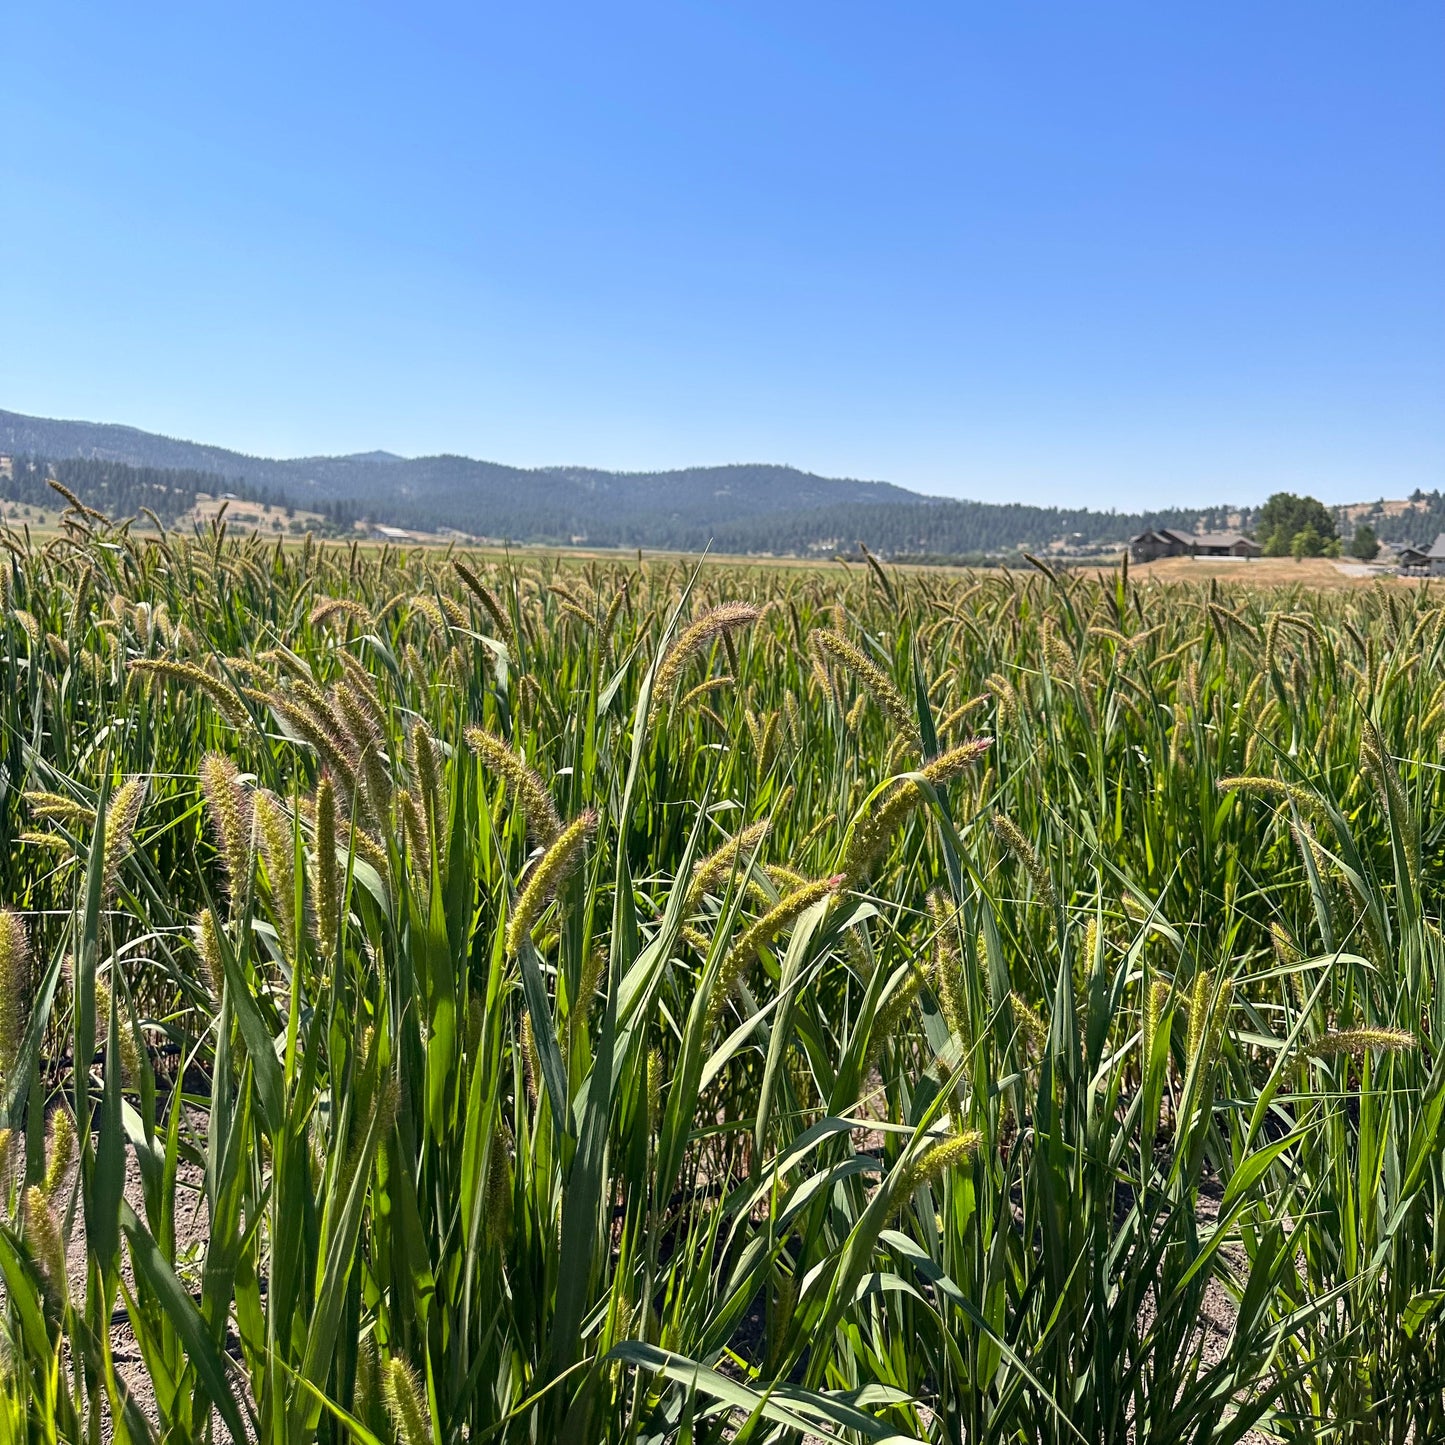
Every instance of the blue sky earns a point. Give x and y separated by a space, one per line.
1112 254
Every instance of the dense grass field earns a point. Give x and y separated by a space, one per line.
449 999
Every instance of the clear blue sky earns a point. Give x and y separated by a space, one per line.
1115 254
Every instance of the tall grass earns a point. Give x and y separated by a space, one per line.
526 1000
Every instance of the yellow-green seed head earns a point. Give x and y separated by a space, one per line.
1011 836
832 648
551 870
935 1162
405 1403
522 782
1358 1042
59 1151
120 820
47 1244
718 866
278 850
948 966
229 810
326 869
15 988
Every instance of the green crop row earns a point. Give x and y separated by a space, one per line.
459 997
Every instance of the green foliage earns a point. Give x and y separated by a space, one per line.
580 1006
1365 544
1285 519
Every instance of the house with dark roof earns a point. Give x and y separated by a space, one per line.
1423 561
1169 542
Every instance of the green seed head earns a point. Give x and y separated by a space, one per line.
405 1403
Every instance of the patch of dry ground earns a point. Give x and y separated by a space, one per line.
1266 572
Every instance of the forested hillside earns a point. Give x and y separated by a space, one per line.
120 490
739 508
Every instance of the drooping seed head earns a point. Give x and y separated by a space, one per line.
833 648
935 1162
486 597
554 866
762 933
1358 1042
522 781
720 622
1011 836
719 865
187 674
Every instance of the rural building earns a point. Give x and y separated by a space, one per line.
1425 561
389 534
1226 544
1158 542
1167 542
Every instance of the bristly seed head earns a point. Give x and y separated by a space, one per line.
1358 1042
833 647
15 988
523 782
229 810
120 819
554 866
718 866
405 1403
719 622
1011 836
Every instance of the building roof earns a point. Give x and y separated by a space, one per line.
1200 539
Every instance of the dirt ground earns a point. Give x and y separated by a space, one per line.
1268 572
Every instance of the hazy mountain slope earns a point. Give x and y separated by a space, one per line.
748 508
448 481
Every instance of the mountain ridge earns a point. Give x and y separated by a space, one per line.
745 507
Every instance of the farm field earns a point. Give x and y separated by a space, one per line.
451 997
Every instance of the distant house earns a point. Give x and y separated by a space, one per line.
1226 544
1158 542
1169 542
389 534
1424 561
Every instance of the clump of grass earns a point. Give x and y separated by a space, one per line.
528 1171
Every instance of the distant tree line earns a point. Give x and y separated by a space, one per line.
1420 523
122 491
727 509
